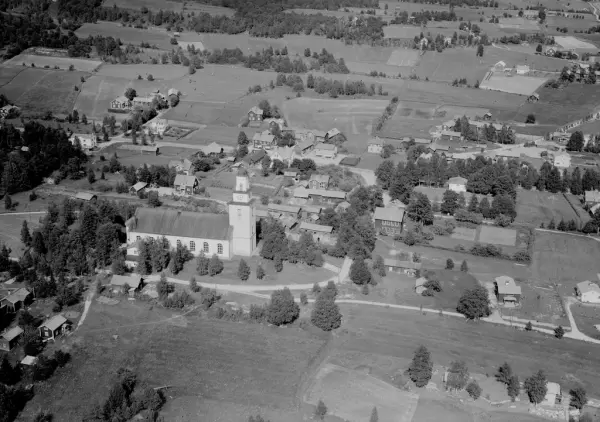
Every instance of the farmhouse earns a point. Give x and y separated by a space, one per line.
591 197
131 282
275 123
325 150
85 196
457 184
304 147
120 103
87 141
10 338
284 154
255 114
278 210
264 140
553 394
420 285
342 206
332 197
375 145
311 212
588 292
214 149
522 69
389 220
450 136
158 126
16 300
508 291
183 166
255 157
186 184
137 188
54 327
500 66
319 181
404 267
562 161
143 102
320 234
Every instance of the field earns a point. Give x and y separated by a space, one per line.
158 37
62 62
498 236
515 84
534 207
564 260
247 364
574 43
360 393
131 71
539 302
586 318
10 230
521 24
44 90
175 6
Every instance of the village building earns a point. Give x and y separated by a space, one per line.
450 136
326 150
319 233
375 145
10 338
255 157
291 175
509 293
588 292
332 133
304 147
137 188
87 141
448 125
553 394
389 220
29 360
85 197
420 285
281 210
143 102
330 197
214 149
264 140
16 300
255 114
500 66
403 267
275 123
157 126
128 284
186 184
54 327
342 206
591 197
319 181
522 69
183 166
173 91
121 103
562 161
284 154
457 184
311 212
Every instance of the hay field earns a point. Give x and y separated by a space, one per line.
464 233
10 230
521 24
62 62
498 236
351 395
7 74
535 207
207 113
564 259
135 36
515 84
96 94
352 117
131 71
175 6
569 42
21 82
403 57
216 360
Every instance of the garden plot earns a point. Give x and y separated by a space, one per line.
351 395
516 84
518 23
498 236
570 42
464 233
51 62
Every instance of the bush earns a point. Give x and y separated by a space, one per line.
474 389
522 256
303 299
449 264
243 271
469 217
326 314
179 300
486 250
502 220
559 332
282 309
208 297
321 410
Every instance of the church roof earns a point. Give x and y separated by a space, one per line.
180 223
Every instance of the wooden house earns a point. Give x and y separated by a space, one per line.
186 184
10 338
54 327
255 114
389 220
403 267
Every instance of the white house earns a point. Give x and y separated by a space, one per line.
283 154
457 184
375 145
588 292
562 161
158 126
522 69
500 66
326 150
87 141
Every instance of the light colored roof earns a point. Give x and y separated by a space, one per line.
420 281
326 147
457 180
587 287
184 163
139 185
500 63
522 67
18 296
436 147
315 227
320 177
343 205
255 156
132 280
122 99
450 133
390 262
291 172
552 388
55 322
311 208
327 193
304 145
301 192
12 333
449 123
85 196
256 110
29 360
183 180
264 136
180 223
477 124
592 196
286 153
507 286
284 208
422 141
389 214
376 141
331 133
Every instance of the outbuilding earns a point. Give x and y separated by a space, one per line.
54 327
509 293
404 267
132 282
10 338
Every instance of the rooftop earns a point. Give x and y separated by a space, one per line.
284 208
327 193
507 286
331 133
458 180
315 227
390 262
183 163
389 214
132 280
12 333
256 110
139 185
55 322
326 147
183 180
587 287
18 296
320 178
85 196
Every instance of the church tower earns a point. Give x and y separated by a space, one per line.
242 217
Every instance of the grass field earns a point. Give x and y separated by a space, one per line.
175 6
44 90
10 230
158 37
7 74
498 236
574 43
62 62
586 318
539 302
131 71
535 207
515 84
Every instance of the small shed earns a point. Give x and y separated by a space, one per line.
405 267
29 360
133 282
16 300
86 196
54 327
137 188
9 339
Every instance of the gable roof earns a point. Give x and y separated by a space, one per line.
327 193
85 196
507 286
55 322
132 280
185 164
390 262
326 147
12 333
320 178
286 153
304 145
122 99
183 180
450 133
389 214
256 110
315 227
457 180
592 196
18 296
588 287
331 133
376 141
139 186
291 172
164 221
284 208
255 156
301 192
264 136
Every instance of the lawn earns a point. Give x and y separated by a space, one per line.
586 318
483 346
498 236
63 63
514 84
131 71
10 230
539 302
535 207
249 364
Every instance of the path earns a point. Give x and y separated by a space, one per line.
587 236
22 213
575 333
86 306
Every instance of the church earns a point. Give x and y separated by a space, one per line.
220 234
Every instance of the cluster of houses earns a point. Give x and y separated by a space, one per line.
316 190
124 104
9 112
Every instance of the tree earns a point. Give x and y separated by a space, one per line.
91 176
458 375
307 52
379 266
473 204
528 326
202 264
474 303
37 243
552 224
450 202
321 410
449 264
243 271
562 226
513 389
359 272
504 373
153 200
421 367
559 332
480 50
260 272
374 415
576 185
130 94
8 204
539 48
282 309
536 387
484 208
530 118
8 374
25 235
162 287
191 69
326 313
215 265
385 173
474 389
420 210
243 139
578 397
576 141
464 267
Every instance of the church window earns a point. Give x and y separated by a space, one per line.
220 249
192 245
205 247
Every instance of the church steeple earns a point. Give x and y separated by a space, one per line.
242 216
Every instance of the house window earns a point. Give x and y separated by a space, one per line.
205 247
239 212
192 245
220 249
178 243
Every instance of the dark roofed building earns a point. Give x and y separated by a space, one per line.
54 327
389 220
186 184
405 267
10 338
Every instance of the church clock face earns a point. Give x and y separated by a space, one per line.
239 198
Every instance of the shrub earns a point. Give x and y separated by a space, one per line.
522 256
559 332
282 308
359 272
469 217
365 290
528 326
257 313
260 272
208 297
303 299
326 313
321 410
243 271
486 250
421 367
502 220
194 287
474 389
449 264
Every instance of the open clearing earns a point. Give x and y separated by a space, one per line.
131 71
10 230
498 236
158 37
351 395
515 84
574 43
62 62
535 207
7 74
406 58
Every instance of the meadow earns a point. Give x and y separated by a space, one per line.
132 71
175 6
586 318
135 36
514 84
535 207
63 63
